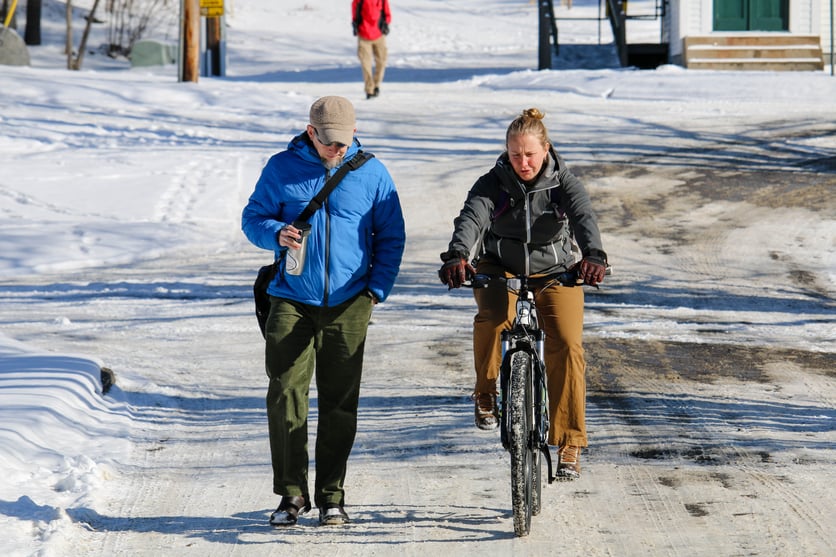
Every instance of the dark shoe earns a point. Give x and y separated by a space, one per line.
289 509
332 514
569 463
487 415
376 91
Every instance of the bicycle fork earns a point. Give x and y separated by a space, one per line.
541 418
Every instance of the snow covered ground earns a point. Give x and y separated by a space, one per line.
712 392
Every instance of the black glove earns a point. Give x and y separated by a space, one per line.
593 267
355 26
456 269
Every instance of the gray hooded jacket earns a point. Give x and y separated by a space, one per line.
535 229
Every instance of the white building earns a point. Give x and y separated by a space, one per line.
748 34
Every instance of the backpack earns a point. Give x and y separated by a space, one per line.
358 19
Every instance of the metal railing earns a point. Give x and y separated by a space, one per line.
616 13
618 20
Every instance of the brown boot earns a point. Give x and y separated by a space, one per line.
569 463
487 415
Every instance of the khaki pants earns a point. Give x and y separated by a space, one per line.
366 52
560 311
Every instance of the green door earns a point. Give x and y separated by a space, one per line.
731 15
751 15
769 15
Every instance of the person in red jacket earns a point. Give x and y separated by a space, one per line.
370 19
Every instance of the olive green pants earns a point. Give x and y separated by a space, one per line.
560 311
301 340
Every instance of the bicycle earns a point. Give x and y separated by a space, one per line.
523 404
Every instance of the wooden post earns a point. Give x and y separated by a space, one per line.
213 45
68 44
33 22
190 40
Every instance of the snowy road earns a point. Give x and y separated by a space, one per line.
712 348
709 444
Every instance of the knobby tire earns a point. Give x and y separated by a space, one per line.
520 433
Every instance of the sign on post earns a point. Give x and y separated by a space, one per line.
212 8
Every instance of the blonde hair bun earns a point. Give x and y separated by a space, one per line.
529 122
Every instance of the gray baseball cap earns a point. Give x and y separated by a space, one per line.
334 120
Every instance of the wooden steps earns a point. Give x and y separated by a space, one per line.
753 51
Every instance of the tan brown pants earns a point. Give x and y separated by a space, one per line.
372 50
560 311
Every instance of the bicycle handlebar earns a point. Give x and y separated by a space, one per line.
565 278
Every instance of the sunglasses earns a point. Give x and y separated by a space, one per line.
336 144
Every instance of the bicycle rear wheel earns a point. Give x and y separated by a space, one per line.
520 406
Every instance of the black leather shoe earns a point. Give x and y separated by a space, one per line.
332 514
289 510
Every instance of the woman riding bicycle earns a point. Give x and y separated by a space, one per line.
529 215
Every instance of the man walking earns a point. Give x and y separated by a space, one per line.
321 303
371 19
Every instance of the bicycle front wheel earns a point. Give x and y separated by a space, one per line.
520 406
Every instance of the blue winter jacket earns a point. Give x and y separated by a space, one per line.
357 237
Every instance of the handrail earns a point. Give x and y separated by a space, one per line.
617 22
547 34
553 28
617 16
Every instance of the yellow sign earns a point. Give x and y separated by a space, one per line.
211 8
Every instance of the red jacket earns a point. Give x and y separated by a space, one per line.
368 27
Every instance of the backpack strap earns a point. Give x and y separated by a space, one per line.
359 159
358 17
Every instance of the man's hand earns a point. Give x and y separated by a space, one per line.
289 237
456 269
593 267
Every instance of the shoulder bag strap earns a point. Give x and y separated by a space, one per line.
358 160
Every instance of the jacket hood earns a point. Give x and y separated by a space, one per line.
548 178
302 146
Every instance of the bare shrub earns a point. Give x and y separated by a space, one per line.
131 20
